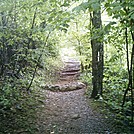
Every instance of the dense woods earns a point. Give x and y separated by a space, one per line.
33 34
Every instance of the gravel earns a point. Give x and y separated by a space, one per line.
70 113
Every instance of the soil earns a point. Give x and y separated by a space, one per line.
70 113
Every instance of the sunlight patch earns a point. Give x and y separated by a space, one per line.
67 53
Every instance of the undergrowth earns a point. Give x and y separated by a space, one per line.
114 84
21 117
18 107
115 120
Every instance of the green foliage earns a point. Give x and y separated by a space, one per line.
91 5
115 79
115 66
123 11
33 31
22 116
27 39
50 73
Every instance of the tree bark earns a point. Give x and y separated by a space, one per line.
97 55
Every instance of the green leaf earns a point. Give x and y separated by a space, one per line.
117 8
82 7
95 6
108 26
132 28
132 16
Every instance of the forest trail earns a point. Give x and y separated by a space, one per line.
70 112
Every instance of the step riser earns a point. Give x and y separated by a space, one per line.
71 70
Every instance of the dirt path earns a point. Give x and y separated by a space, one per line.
70 113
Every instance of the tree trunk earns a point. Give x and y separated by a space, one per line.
97 55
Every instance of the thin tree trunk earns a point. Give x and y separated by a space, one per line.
132 82
127 53
130 74
35 70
